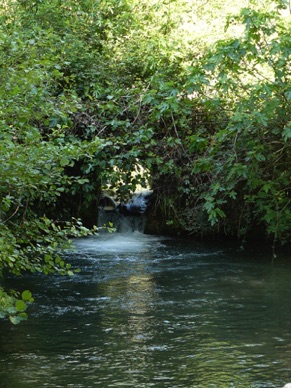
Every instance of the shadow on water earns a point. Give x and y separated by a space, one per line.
149 311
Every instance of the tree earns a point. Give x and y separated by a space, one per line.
207 119
232 162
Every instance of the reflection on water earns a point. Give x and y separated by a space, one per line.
153 312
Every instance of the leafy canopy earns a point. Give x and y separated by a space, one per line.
197 95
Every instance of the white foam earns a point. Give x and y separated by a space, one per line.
117 242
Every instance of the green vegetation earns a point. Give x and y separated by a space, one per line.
197 94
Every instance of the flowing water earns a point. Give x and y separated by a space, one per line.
152 312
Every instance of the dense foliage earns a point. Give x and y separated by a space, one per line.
230 144
91 90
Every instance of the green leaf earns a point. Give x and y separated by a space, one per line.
26 295
64 162
287 132
20 305
15 319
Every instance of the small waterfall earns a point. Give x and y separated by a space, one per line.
124 217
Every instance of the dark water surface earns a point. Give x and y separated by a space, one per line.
152 312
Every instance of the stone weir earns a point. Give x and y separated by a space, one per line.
125 217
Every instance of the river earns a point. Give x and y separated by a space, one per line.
149 311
